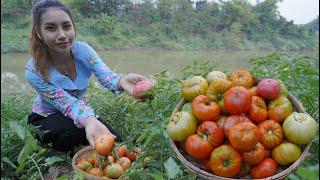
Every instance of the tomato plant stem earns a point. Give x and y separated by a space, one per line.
37 167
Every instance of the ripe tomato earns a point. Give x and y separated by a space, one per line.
96 172
91 157
204 109
265 168
111 159
84 165
114 170
132 155
124 162
104 144
237 100
244 136
212 131
241 78
198 146
279 109
232 120
271 134
217 88
225 161
255 155
258 110
122 150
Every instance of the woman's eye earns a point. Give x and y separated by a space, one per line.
50 28
67 26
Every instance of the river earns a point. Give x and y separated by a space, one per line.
146 62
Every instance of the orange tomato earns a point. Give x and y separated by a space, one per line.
265 168
104 144
96 172
244 136
204 109
258 110
255 155
271 134
241 78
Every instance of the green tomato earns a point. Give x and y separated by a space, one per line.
187 107
181 125
286 153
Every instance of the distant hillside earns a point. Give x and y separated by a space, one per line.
314 24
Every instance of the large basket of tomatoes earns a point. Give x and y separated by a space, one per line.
237 126
108 160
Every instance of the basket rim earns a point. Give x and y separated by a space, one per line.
205 174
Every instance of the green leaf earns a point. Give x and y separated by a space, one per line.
63 177
5 159
19 130
172 168
156 176
53 159
29 147
311 172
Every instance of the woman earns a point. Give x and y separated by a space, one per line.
59 71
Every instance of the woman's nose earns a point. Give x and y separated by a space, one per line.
61 35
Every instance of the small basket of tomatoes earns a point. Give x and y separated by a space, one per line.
240 127
108 160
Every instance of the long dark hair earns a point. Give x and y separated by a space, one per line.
38 48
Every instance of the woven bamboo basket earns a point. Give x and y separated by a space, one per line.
84 152
282 171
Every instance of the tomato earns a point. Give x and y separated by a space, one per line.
212 131
143 89
221 120
133 156
122 151
114 170
193 87
271 134
279 109
253 91
124 162
225 161
258 110
217 88
232 120
254 156
237 100
213 75
96 172
245 169
181 125
296 123
286 153
84 165
102 160
244 136
104 144
265 168
111 159
206 164
204 109
223 109
241 78
187 107
198 146
91 157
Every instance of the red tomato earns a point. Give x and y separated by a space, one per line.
255 155
198 146
279 109
258 110
122 151
225 161
241 78
204 109
244 136
265 168
124 162
232 120
132 155
96 172
104 144
212 131
237 100
271 134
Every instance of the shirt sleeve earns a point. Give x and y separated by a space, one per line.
106 77
68 105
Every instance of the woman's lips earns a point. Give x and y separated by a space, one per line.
63 45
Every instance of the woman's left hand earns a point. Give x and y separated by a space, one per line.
129 81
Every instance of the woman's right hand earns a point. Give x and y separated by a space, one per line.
94 128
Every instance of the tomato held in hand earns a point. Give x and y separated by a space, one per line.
104 144
258 110
271 134
204 109
232 120
198 146
255 155
237 100
265 168
244 136
212 131
225 161
279 109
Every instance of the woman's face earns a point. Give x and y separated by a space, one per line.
57 30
